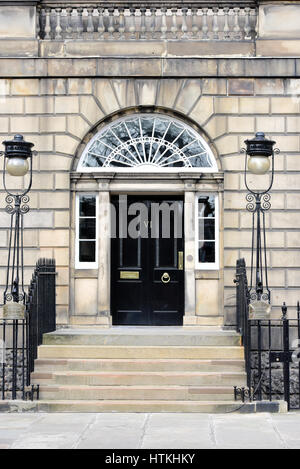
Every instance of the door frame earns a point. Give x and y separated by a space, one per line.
168 184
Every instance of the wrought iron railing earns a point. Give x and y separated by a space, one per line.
41 306
272 350
147 20
21 337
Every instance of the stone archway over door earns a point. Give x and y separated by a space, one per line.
143 155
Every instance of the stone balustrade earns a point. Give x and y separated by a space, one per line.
115 21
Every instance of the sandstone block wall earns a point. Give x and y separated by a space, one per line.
57 114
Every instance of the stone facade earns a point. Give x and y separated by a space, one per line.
57 101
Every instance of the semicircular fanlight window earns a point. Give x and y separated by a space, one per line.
147 142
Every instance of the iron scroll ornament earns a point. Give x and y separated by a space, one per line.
265 203
15 203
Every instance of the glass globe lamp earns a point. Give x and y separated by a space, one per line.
17 152
259 150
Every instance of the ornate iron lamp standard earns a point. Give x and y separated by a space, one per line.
258 153
17 162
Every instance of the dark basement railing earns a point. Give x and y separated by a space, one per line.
272 350
21 337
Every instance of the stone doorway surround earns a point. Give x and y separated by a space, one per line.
90 289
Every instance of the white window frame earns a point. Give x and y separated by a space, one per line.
207 265
78 264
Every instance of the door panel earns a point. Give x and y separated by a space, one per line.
147 278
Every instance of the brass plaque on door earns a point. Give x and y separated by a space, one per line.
180 260
129 274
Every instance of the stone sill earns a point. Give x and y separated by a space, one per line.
207 274
86 273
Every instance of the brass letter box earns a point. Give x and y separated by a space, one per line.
129 274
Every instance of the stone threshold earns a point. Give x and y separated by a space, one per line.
148 67
145 330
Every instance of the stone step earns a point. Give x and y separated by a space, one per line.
135 406
140 378
149 352
160 393
135 364
144 337
142 406
139 369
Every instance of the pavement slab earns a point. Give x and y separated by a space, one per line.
242 432
149 431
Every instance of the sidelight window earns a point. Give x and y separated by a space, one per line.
86 231
207 245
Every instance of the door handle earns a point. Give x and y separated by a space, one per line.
165 278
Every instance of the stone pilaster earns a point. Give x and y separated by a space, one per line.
104 252
189 249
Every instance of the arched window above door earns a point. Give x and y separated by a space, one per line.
147 142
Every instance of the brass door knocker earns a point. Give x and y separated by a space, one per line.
165 278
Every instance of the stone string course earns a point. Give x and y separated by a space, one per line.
57 113
134 66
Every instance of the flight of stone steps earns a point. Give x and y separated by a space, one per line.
139 369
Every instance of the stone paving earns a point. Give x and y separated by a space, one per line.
155 431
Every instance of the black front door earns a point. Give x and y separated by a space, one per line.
147 276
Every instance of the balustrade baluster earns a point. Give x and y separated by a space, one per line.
195 27
132 27
153 22
163 27
204 23
226 23
111 27
184 27
215 25
247 27
80 23
58 28
174 27
101 27
38 22
254 27
48 24
90 24
121 28
143 24
69 29
236 27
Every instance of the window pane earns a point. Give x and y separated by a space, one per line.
207 251
87 206
87 251
206 229
87 228
206 206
